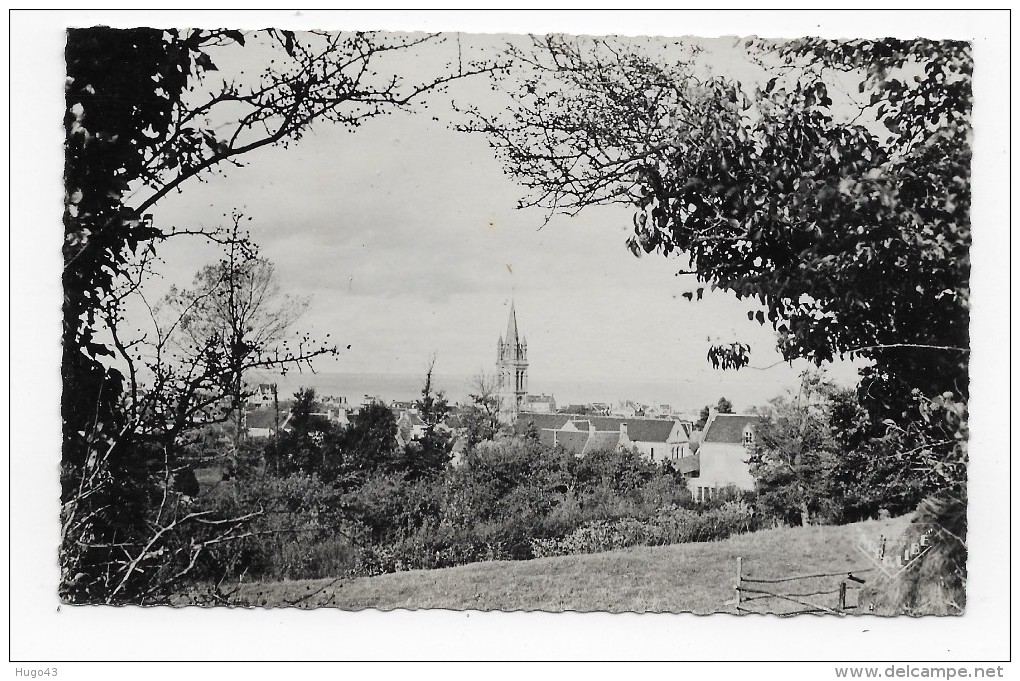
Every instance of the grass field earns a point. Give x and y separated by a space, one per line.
697 577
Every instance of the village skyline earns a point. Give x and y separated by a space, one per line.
686 393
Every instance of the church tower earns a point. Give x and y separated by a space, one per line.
512 365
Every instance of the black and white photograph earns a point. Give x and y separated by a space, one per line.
380 322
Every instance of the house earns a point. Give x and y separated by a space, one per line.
661 411
540 404
576 409
263 422
335 409
367 401
658 439
628 408
410 428
404 405
458 447
574 441
265 395
722 458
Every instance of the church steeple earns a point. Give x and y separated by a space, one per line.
511 327
512 363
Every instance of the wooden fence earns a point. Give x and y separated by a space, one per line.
831 593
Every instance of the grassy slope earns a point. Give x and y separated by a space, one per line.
682 578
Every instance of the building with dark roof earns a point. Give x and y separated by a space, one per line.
573 441
730 428
546 421
265 395
658 439
410 428
722 458
602 441
539 403
263 422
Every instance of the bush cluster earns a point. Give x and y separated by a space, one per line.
514 499
509 499
672 525
299 530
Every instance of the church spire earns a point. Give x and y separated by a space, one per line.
511 327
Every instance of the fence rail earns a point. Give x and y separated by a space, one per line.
758 589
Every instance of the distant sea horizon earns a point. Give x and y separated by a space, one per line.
744 389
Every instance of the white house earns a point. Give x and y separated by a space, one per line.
658 439
721 459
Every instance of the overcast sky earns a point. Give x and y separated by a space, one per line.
405 236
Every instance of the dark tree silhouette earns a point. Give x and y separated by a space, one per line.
431 453
723 406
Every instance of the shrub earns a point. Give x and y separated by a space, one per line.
389 506
432 547
300 531
672 525
594 537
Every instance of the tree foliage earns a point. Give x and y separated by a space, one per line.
232 321
431 453
235 309
723 406
148 110
820 456
794 454
302 447
368 446
481 418
875 469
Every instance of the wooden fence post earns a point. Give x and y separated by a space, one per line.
737 587
842 595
